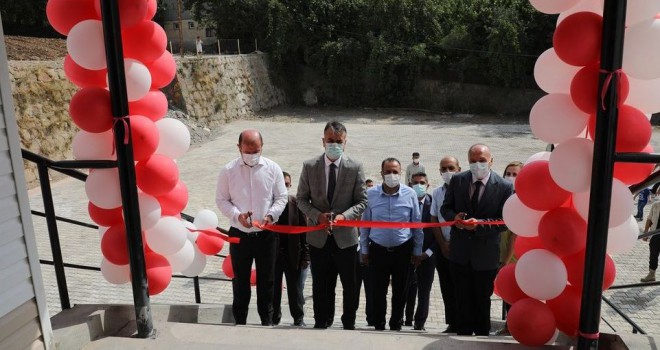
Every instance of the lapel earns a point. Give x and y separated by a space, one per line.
320 174
489 191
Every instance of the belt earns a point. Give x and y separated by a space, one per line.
391 249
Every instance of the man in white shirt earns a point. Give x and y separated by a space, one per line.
251 188
448 167
414 168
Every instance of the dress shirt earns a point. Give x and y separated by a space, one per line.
259 189
402 206
483 188
439 197
327 170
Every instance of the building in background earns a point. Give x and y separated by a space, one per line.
191 30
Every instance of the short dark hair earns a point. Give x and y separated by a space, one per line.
285 174
415 154
240 137
336 127
368 181
388 160
421 173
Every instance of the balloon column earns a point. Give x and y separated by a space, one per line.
157 141
549 211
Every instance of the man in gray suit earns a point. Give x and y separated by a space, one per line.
331 188
475 196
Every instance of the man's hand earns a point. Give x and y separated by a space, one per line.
471 224
268 220
458 218
324 219
365 259
444 249
339 217
417 259
304 264
245 220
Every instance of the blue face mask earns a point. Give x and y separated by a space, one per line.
334 151
420 190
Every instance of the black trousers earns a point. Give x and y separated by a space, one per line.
425 275
654 251
262 249
365 278
327 262
447 289
294 292
411 294
473 291
386 263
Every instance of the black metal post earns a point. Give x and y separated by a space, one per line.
53 234
198 293
614 15
126 166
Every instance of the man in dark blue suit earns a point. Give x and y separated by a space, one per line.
475 196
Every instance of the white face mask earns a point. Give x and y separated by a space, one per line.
392 180
446 176
479 169
251 159
511 179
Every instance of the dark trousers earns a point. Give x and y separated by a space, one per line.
365 278
386 263
411 294
473 291
425 275
640 209
327 262
447 289
262 249
654 251
294 291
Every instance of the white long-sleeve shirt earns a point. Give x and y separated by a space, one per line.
259 189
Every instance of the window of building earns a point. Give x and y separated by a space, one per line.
210 32
176 25
191 25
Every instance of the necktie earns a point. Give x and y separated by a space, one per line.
475 195
332 181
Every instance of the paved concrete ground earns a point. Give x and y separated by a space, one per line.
292 136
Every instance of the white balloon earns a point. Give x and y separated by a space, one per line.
91 146
570 164
639 48
552 7
622 239
621 207
149 210
188 224
552 74
644 95
555 118
641 10
182 259
206 219
115 274
538 156
197 266
86 46
102 188
541 274
595 6
174 138
520 219
167 237
138 79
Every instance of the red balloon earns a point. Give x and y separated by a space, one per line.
585 92
159 272
566 308
575 269
145 137
175 200
253 277
144 42
227 267
536 188
634 173
152 7
531 322
209 244
578 37
563 231
633 132
83 77
157 175
131 12
90 109
152 106
64 14
506 285
162 71
114 245
524 244
105 217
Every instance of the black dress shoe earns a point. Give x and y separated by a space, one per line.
419 328
276 322
299 323
408 323
450 329
380 328
320 326
395 328
349 327
267 324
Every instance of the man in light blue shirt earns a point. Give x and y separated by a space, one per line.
388 251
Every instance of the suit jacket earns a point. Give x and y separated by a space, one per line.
429 238
349 199
481 247
296 244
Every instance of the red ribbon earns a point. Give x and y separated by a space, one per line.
590 336
606 85
218 234
294 230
